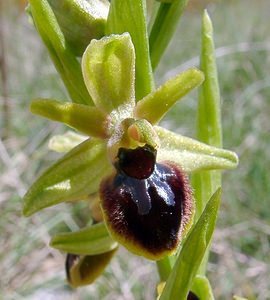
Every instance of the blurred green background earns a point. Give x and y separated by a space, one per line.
239 260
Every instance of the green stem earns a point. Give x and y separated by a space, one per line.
163 28
164 268
130 16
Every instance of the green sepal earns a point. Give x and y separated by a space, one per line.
188 261
155 105
81 117
73 177
92 240
130 16
81 21
86 269
108 68
61 54
202 288
66 142
192 155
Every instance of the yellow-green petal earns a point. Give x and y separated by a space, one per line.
155 105
87 119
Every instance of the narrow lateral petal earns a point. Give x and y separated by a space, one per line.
155 105
84 118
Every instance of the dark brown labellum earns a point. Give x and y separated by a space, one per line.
137 163
148 215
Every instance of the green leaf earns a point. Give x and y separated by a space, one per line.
192 155
130 16
64 60
155 105
209 111
88 241
201 287
164 27
180 280
81 117
209 127
81 21
109 72
73 177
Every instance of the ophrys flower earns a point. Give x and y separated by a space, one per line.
136 168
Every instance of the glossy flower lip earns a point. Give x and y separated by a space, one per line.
148 216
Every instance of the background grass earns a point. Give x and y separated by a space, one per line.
239 261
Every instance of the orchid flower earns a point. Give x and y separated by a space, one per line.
136 170
133 173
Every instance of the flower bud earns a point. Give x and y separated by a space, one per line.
83 270
81 21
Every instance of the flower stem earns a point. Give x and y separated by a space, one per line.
164 268
130 16
164 27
